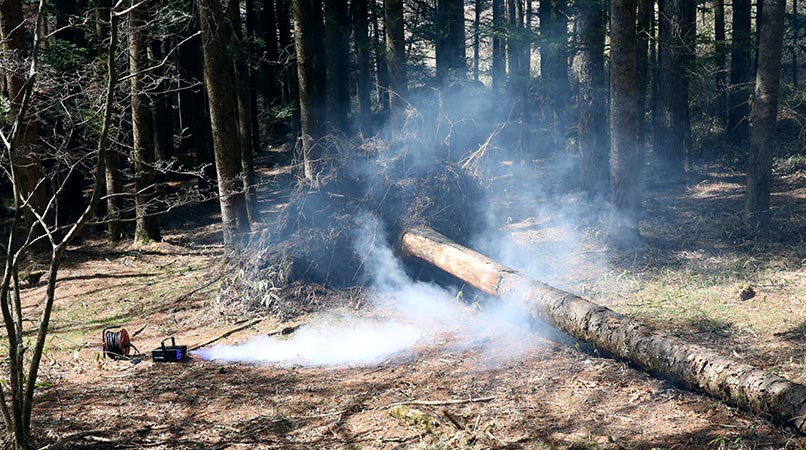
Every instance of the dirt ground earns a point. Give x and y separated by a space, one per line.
558 394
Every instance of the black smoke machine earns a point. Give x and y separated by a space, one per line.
169 353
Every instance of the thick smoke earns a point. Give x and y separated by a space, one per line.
406 316
535 224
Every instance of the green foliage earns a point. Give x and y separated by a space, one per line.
66 57
280 113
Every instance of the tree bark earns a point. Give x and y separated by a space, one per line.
646 15
673 129
362 52
381 66
396 62
518 71
267 30
721 67
478 9
146 226
311 95
243 83
251 54
26 156
795 45
337 42
765 110
690 365
450 42
102 8
223 107
626 159
740 72
194 116
287 48
499 47
757 35
554 64
162 105
113 176
592 98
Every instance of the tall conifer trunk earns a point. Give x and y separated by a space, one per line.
591 99
740 72
626 159
765 110
221 92
396 61
146 227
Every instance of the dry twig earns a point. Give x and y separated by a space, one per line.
226 334
442 402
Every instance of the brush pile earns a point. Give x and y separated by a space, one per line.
364 184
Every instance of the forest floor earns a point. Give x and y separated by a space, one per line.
687 279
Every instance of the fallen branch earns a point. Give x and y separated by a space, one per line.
227 334
442 402
452 419
71 438
688 364
285 331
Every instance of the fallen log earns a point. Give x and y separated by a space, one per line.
691 365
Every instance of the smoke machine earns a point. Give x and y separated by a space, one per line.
169 353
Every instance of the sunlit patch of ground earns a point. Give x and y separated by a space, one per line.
557 393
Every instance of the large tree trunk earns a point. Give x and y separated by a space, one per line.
765 110
499 47
795 45
381 66
146 226
243 83
646 17
221 91
626 158
311 93
554 64
740 72
251 54
518 71
478 9
450 42
690 365
26 157
337 42
592 98
194 117
113 176
362 52
396 61
287 49
162 105
721 67
673 128
267 30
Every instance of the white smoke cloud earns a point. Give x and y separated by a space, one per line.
358 342
406 316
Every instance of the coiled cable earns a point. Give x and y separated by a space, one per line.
117 344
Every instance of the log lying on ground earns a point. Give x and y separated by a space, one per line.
690 365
